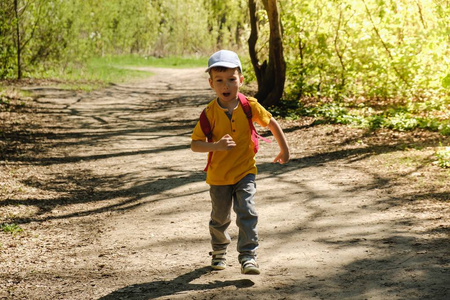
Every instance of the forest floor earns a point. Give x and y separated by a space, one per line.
113 204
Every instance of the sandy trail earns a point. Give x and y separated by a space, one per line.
329 228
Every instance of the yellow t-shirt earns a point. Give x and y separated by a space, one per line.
228 167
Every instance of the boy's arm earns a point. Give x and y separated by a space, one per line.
224 144
283 156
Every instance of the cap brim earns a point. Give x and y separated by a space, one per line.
223 64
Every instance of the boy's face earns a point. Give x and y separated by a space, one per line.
226 84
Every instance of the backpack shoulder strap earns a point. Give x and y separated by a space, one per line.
206 128
245 106
205 125
248 112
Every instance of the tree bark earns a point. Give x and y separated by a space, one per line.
19 63
253 39
271 74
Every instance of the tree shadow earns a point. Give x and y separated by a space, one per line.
180 284
97 126
80 187
416 268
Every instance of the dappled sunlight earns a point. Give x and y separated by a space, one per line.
117 204
338 217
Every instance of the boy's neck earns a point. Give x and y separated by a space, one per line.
229 105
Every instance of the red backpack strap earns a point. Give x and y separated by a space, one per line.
245 106
206 128
248 112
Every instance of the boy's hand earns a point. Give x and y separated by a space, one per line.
226 143
282 158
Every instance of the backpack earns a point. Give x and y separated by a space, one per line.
207 130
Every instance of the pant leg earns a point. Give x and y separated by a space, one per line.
221 200
246 216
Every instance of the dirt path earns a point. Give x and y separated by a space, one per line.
114 206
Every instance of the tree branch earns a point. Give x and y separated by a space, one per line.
384 44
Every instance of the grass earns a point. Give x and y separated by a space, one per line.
11 228
98 72
149 61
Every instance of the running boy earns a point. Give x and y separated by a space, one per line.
232 169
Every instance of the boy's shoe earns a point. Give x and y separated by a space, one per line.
219 260
249 266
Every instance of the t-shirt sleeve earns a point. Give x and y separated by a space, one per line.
197 134
260 114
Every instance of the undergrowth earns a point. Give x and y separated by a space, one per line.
443 157
11 228
429 115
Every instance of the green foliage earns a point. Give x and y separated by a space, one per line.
366 48
6 40
290 110
226 22
446 81
443 157
11 228
429 115
54 34
348 55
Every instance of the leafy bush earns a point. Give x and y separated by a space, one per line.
400 118
443 156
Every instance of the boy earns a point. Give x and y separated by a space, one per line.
232 169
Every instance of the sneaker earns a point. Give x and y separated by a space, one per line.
249 266
219 260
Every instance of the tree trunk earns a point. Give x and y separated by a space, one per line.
271 74
19 63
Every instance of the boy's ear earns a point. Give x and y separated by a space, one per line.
241 80
210 82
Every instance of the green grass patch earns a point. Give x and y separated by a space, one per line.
149 61
98 72
11 228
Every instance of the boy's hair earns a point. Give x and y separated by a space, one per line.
222 69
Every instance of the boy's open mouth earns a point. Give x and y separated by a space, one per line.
226 94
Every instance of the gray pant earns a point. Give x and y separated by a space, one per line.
240 195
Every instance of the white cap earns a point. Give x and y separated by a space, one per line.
224 58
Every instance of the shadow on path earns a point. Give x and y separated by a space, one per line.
155 289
